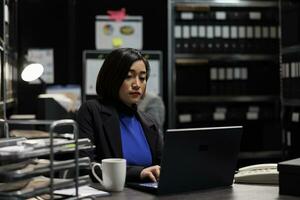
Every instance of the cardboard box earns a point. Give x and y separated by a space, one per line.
289 177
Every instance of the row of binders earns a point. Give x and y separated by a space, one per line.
210 46
291 119
225 113
290 70
230 80
290 80
211 31
232 30
291 116
290 88
266 15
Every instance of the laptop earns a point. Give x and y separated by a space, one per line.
196 158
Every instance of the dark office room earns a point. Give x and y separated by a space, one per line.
161 99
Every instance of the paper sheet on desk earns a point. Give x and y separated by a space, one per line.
71 91
63 99
83 191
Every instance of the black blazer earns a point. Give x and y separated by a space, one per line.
100 123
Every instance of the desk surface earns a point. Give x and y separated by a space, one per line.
236 192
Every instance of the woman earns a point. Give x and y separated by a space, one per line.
113 123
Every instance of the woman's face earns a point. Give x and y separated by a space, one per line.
134 85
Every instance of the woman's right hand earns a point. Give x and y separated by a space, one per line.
152 173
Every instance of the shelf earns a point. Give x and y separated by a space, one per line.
204 5
59 146
192 7
291 102
37 167
260 154
217 99
43 188
291 49
191 59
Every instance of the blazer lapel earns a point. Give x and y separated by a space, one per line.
111 126
149 130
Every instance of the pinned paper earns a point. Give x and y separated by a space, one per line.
111 33
117 42
117 15
46 58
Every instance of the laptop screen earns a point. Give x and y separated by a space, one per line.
199 158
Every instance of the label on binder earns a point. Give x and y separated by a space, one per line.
255 15
242 32
185 118
265 32
194 32
177 32
249 32
218 116
220 15
234 32
273 32
218 32
187 15
202 31
295 117
225 32
252 115
186 32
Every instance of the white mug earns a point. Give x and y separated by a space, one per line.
113 173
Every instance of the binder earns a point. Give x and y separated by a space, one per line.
220 15
194 31
229 81
213 81
217 48
233 32
255 15
244 80
225 32
221 81
237 80
249 32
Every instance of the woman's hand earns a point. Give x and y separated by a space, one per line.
152 172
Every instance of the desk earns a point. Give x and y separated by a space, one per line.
236 192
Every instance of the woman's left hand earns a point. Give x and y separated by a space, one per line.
152 172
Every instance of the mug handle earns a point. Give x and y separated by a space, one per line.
95 174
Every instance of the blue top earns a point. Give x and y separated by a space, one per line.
135 147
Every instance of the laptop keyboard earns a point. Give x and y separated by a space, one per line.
152 184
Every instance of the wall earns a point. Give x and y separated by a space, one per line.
68 27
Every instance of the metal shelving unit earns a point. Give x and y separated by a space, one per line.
8 57
290 76
219 56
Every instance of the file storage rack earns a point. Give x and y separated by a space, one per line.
290 76
224 70
21 170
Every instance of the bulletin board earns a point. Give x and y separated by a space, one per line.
110 34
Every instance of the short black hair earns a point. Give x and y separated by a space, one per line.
114 71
